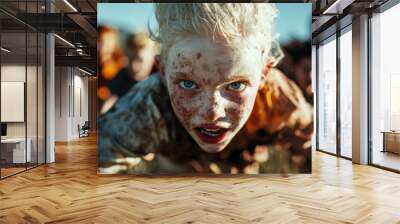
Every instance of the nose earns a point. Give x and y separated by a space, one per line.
213 106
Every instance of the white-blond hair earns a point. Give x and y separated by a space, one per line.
251 23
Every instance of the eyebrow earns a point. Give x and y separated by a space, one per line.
238 77
235 78
181 75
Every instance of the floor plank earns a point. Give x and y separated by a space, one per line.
70 191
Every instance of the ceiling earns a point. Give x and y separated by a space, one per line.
328 13
73 20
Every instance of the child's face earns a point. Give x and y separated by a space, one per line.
212 88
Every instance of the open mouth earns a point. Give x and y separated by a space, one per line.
211 135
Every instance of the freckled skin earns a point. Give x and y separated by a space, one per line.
212 66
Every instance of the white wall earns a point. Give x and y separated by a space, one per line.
33 127
62 81
13 73
71 102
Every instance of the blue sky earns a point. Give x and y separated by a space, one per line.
294 19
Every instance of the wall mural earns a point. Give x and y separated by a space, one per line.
204 88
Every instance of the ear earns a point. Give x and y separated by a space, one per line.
159 65
266 70
264 74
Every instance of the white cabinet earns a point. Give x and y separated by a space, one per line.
17 146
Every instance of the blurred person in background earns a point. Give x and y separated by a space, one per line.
297 66
111 57
121 70
141 53
111 60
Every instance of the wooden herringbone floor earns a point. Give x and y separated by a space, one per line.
70 191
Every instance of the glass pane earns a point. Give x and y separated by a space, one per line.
23 83
31 97
314 84
32 84
346 94
327 96
13 87
41 98
385 85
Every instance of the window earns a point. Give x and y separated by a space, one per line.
346 93
327 95
385 89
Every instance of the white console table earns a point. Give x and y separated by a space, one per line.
18 149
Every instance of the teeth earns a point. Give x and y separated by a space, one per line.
211 132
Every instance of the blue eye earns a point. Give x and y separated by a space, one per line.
237 86
187 84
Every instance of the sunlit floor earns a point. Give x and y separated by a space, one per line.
386 159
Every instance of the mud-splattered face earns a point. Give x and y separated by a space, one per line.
212 88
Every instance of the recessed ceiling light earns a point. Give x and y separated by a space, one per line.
64 40
5 50
84 71
70 5
337 7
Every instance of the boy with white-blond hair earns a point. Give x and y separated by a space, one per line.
214 58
